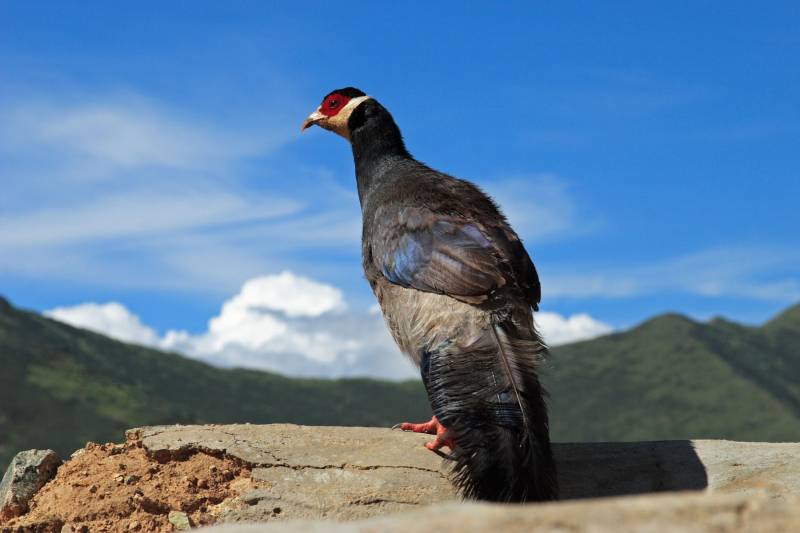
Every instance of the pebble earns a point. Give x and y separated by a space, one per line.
179 520
28 472
78 453
116 449
69 528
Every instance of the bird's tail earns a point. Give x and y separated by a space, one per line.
489 397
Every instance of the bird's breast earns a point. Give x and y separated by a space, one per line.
420 321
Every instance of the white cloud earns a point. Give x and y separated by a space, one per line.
123 134
138 213
112 319
259 318
296 326
288 293
539 206
557 329
751 272
128 193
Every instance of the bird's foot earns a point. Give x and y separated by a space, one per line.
432 427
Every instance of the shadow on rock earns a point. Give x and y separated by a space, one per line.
599 469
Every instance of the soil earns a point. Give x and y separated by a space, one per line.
118 487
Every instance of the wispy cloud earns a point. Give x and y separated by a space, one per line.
541 206
750 272
138 213
118 134
128 193
123 191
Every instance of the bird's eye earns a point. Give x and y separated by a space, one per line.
333 103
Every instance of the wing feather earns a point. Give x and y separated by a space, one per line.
448 255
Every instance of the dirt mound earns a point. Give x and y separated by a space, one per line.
118 487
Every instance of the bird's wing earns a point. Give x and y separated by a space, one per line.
450 255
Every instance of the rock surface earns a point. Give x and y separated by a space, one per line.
314 472
672 512
362 474
27 473
179 520
335 471
349 473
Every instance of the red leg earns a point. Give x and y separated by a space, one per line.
432 427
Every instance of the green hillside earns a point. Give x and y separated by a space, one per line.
673 378
667 378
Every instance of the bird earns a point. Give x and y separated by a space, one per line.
457 290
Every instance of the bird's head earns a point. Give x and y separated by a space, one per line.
334 112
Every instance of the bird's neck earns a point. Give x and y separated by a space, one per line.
377 146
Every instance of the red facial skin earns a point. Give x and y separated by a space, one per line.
332 104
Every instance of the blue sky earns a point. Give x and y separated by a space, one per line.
150 154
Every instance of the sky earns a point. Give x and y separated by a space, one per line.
156 187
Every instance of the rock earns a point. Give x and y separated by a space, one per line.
69 528
179 520
27 473
311 472
677 512
292 477
590 470
351 473
77 453
115 449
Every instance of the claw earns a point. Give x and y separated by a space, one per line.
432 427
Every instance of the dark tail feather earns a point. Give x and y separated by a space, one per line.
489 396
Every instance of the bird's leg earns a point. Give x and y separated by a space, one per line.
432 427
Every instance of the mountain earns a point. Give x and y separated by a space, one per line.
670 377
673 378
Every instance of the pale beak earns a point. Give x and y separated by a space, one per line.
312 119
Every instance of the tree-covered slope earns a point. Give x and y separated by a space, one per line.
675 378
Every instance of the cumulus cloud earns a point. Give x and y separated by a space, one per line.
112 319
287 293
557 329
293 325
